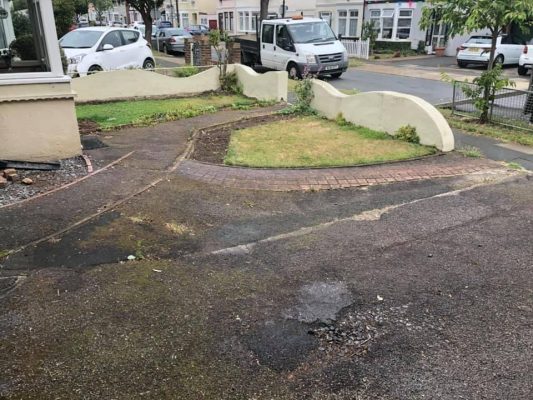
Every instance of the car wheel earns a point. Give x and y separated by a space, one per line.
337 75
94 68
522 71
499 60
294 71
148 64
462 64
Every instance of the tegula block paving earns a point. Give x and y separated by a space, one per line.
333 178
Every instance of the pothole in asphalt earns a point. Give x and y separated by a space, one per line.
320 301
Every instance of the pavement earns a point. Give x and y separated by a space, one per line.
410 290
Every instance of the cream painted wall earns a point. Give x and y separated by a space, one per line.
128 84
385 111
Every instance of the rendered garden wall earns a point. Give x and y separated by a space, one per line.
385 111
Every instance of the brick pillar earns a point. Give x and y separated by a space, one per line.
205 50
234 50
187 45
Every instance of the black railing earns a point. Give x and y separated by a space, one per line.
509 107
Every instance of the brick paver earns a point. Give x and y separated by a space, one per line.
333 178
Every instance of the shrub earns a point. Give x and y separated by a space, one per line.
230 83
408 134
391 46
24 47
184 72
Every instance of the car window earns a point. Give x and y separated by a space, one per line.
80 39
282 36
130 36
113 38
480 40
268 33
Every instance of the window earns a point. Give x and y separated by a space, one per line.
404 24
326 16
246 20
231 21
387 23
184 20
375 17
343 15
255 15
22 44
352 27
283 38
241 21
113 38
130 37
268 33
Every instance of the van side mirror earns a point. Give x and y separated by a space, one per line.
107 47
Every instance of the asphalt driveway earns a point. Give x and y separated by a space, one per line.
413 290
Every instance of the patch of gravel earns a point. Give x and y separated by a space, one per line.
43 181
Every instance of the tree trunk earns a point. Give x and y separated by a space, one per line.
147 20
484 117
264 10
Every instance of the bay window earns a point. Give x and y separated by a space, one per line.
404 24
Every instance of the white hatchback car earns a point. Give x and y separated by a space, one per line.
103 49
476 50
526 59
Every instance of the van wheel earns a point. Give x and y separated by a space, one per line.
462 64
522 71
294 71
148 64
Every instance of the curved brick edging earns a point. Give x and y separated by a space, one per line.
332 178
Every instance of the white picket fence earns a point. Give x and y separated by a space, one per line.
357 48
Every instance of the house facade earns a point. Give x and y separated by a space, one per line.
37 115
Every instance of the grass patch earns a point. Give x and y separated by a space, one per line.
503 133
470 151
355 62
184 72
515 166
315 142
147 112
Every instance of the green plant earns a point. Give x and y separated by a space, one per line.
341 121
515 166
370 33
421 48
229 83
407 134
64 60
220 40
391 46
24 47
21 24
184 72
470 151
139 254
484 88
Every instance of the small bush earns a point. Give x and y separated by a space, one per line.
407 134
24 47
470 151
184 72
230 83
341 121
386 45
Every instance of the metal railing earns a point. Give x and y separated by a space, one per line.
509 107
357 48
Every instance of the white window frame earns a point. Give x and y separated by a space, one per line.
348 19
326 16
55 75
397 23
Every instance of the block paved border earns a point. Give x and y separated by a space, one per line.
333 178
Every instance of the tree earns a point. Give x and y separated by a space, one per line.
465 16
263 14
370 33
64 13
144 7
100 7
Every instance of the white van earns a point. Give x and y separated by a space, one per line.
296 45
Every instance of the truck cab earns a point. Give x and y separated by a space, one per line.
301 45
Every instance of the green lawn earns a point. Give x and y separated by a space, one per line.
500 132
315 142
146 112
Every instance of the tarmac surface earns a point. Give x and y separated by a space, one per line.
410 290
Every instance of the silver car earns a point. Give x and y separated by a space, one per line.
170 40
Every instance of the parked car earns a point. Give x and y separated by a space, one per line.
142 28
197 29
103 49
526 59
476 50
170 40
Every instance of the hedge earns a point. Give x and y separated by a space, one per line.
386 45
